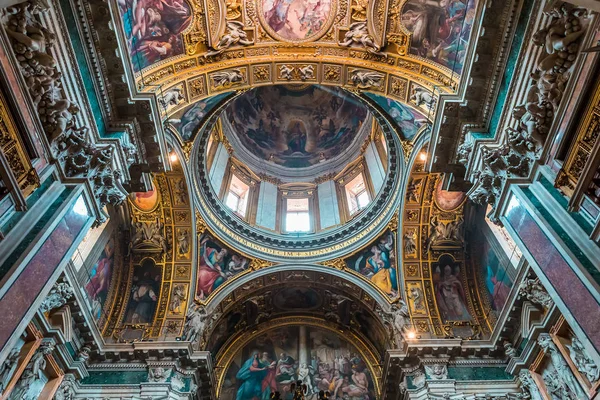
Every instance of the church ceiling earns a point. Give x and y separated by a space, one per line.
188 51
297 126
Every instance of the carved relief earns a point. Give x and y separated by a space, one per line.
560 40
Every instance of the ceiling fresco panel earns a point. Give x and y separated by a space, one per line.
440 30
153 29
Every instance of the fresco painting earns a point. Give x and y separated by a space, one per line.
406 118
216 264
296 127
296 19
145 289
145 201
188 120
440 29
298 298
320 359
447 200
378 263
450 293
153 29
99 278
497 280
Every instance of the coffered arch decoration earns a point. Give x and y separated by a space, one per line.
285 342
286 290
212 46
438 278
157 264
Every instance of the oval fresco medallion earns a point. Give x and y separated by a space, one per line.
296 20
446 200
145 201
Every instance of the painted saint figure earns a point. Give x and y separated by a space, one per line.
211 269
450 295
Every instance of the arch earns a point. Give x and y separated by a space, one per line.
237 344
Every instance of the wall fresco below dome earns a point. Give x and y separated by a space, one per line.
441 29
319 358
153 29
296 127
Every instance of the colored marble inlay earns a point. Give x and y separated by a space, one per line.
560 199
115 377
31 200
577 298
479 374
26 288
564 236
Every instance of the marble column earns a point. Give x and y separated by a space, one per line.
303 350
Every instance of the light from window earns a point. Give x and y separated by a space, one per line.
297 217
233 201
363 199
357 195
237 196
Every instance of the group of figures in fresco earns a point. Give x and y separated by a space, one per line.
296 128
319 359
440 29
296 19
153 29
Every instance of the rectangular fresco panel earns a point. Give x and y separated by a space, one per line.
145 289
440 29
498 281
99 275
279 357
450 293
153 29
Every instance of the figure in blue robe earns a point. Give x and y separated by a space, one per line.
252 374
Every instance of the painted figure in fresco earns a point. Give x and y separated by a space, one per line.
498 289
285 369
269 383
252 374
296 128
153 29
450 295
297 140
378 265
97 287
190 120
440 29
143 299
211 268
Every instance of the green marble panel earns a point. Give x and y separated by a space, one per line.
479 374
115 378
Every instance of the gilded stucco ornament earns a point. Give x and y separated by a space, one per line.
364 79
227 79
358 36
234 35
